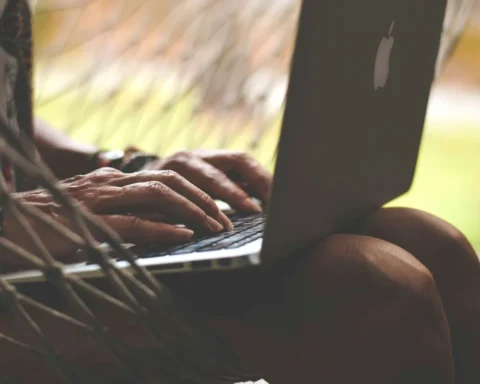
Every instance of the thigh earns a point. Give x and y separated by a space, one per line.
438 245
455 268
354 308
352 301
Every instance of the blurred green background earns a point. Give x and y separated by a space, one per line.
447 181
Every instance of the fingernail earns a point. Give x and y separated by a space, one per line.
226 221
214 225
184 234
252 206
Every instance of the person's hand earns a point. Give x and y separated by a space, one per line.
142 207
233 177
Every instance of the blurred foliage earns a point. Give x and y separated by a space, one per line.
447 182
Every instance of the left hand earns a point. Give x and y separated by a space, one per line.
233 177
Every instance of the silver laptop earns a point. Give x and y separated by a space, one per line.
358 93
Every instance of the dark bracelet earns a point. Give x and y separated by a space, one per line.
92 162
104 158
128 161
137 162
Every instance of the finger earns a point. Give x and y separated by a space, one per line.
134 230
252 172
225 221
157 217
145 214
157 198
182 186
216 183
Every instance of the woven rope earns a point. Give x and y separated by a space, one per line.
175 74
183 350
219 66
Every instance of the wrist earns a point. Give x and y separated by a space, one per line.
129 160
105 158
136 160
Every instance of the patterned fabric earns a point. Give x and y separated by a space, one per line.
16 41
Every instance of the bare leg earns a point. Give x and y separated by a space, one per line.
455 267
358 309
354 309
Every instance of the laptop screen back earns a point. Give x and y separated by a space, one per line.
359 88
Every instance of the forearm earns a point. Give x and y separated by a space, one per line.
67 158
64 156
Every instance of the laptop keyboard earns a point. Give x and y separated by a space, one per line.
247 229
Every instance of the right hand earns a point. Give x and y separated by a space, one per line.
143 208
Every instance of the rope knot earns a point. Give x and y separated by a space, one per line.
54 273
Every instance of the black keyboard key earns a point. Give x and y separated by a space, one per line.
223 244
241 219
205 241
243 242
195 245
150 252
245 225
247 228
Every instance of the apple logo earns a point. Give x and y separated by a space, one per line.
382 62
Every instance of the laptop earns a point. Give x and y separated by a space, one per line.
359 87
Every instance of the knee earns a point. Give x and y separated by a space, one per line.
437 244
366 269
376 301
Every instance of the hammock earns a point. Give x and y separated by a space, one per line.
162 75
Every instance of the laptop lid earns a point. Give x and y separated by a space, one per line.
358 93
